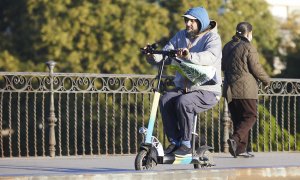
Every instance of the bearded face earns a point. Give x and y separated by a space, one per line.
192 27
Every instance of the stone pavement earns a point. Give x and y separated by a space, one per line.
274 165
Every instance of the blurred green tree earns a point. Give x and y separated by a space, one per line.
82 36
98 36
17 37
105 36
291 48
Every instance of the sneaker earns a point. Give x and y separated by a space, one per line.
246 155
171 148
232 147
183 151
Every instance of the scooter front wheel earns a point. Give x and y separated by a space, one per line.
143 161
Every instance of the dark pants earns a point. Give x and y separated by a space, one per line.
243 114
178 110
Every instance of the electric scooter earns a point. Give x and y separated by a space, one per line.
151 151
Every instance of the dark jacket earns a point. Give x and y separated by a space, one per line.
240 63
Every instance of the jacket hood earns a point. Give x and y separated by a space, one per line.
201 15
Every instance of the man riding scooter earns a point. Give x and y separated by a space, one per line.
200 44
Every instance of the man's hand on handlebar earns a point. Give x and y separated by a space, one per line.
149 50
183 53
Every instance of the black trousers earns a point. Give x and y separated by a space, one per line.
243 114
178 110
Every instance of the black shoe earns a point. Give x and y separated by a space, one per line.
232 147
183 151
171 148
246 155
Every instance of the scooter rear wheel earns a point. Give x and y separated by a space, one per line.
143 161
206 160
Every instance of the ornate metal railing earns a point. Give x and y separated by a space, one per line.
72 114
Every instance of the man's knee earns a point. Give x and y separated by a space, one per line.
183 104
168 97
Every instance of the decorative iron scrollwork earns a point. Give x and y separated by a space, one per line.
76 82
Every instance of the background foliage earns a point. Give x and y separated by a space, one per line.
105 36
291 50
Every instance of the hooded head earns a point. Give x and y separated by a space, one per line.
200 14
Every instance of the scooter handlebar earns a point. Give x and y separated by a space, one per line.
151 49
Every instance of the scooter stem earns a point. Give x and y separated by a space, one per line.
152 118
160 72
154 105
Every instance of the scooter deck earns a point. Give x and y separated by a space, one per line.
172 159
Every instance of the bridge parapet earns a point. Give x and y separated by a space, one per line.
100 114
